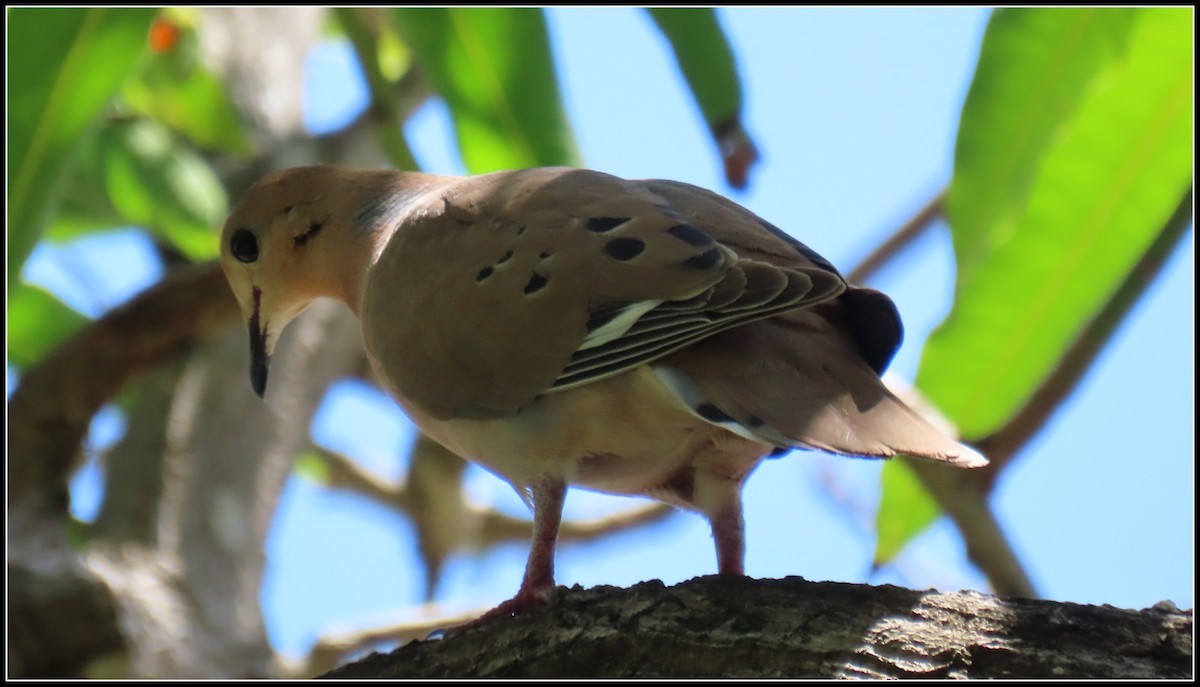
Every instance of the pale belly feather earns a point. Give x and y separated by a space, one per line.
627 434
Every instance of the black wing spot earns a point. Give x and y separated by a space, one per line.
545 254
603 224
704 260
779 451
712 413
484 273
504 258
754 422
536 283
625 248
520 230
690 235
313 229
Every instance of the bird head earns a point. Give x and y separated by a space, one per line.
307 232
272 255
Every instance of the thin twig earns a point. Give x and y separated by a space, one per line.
499 527
332 649
904 236
988 547
959 495
346 473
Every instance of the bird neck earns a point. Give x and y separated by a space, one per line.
384 202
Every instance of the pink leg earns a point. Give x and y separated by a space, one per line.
728 533
719 497
548 499
548 496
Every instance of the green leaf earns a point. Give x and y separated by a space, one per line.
84 207
1058 244
494 68
155 182
63 67
706 59
1102 190
377 49
1034 68
37 323
82 212
904 504
174 88
312 467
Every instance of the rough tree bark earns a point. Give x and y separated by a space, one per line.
745 628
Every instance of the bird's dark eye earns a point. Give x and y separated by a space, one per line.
244 245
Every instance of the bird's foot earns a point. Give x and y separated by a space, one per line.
526 600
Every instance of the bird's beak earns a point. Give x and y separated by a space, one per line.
260 360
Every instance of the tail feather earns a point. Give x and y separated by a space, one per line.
796 380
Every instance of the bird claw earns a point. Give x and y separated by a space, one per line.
526 600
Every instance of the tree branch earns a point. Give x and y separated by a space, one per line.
331 649
345 473
898 241
958 493
49 413
736 627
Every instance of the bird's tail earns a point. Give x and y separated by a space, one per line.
794 380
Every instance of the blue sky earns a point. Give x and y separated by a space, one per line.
855 113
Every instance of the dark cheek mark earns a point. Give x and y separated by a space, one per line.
603 224
703 261
624 248
313 229
536 283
